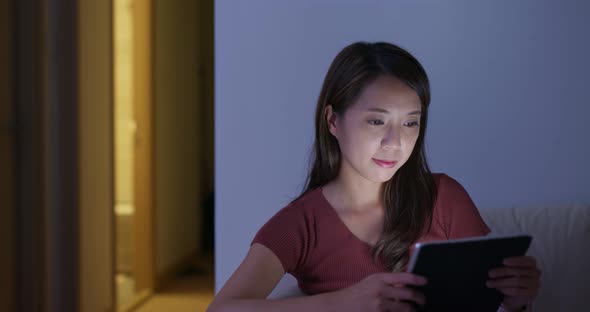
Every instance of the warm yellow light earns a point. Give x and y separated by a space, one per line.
123 109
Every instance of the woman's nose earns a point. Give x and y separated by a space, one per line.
392 139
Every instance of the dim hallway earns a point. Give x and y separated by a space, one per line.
190 291
106 155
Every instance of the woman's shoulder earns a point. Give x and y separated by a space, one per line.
446 183
450 194
456 209
290 232
303 204
442 177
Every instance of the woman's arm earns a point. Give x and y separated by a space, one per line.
252 282
261 270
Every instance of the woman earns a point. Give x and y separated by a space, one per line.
369 197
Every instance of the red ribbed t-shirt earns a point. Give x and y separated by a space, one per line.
316 247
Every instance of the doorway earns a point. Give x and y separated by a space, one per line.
162 122
134 240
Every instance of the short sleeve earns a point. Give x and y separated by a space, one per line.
287 235
460 215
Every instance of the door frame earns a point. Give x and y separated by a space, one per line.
143 242
7 162
58 171
143 172
95 111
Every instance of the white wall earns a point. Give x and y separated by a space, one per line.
509 112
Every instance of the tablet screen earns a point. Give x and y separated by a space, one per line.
457 271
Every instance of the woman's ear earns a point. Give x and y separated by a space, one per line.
331 116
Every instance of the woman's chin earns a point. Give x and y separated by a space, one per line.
382 177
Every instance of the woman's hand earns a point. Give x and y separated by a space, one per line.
384 292
519 281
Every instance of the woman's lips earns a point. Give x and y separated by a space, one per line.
384 163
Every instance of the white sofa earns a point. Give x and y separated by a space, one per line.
561 245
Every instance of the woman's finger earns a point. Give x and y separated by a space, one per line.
515 271
399 306
403 294
514 282
522 261
403 278
517 292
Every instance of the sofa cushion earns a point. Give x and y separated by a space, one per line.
561 245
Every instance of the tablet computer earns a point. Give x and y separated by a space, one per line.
457 271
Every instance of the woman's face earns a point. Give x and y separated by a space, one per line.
378 132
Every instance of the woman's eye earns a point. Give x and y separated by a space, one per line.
412 124
375 122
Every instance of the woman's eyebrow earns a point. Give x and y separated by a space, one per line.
378 110
383 110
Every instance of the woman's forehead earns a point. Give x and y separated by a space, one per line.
388 95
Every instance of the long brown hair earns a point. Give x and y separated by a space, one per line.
409 196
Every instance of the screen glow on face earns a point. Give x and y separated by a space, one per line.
377 134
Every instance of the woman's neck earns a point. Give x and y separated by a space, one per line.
355 193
